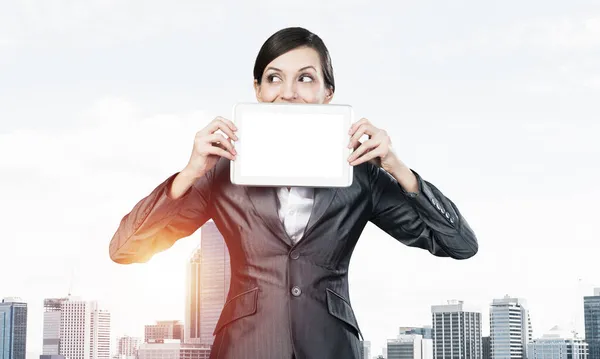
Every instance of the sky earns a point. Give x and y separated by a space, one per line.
495 104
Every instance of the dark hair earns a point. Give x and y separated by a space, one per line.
289 39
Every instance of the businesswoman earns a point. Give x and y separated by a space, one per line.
290 248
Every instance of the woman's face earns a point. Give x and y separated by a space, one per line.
295 77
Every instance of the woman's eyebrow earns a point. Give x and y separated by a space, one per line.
302 69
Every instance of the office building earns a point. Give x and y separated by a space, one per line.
46 356
83 329
409 346
591 312
558 344
51 332
456 331
487 350
13 328
510 328
365 349
424 331
208 279
173 349
163 330
127 347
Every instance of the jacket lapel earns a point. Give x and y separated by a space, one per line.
322 201
264 200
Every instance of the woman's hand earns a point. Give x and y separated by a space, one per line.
377 149
210 146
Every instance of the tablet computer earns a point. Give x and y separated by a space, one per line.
283 144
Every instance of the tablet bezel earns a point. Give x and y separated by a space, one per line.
344 180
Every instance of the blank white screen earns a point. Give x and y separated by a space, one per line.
293 145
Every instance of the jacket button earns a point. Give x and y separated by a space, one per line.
295 255
296 292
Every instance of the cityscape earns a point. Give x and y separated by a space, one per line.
77 328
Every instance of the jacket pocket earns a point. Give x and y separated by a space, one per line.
339 307
241 305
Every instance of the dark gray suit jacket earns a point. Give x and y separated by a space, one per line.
287 299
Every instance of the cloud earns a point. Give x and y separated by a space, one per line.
112 133
534 35
60 184
51 24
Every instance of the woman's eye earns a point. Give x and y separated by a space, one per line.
272 78
309 78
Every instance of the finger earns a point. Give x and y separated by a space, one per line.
219 124
218 138
215 150
377 152
364 129
364 147
223 126
229 123
357 124
220 145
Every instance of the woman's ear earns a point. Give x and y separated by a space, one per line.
257 90
328 95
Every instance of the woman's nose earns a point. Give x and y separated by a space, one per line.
288 92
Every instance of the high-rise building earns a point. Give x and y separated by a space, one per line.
127 347
13 328
209 276
456 331
558 344
83 329
591 309
424 331
487 348
510 328
100 332
51 333
192 298
163 330
173 349
365 349
409 346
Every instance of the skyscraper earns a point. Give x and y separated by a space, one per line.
83 329
209 275
558 344
591 309
51 334
487 350
127 347
424 331
409 346
13 328
365 349
192 298
456 331
510 328
162 330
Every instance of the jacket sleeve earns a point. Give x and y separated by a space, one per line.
426 219
157 221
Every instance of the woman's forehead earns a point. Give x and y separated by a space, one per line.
296 59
